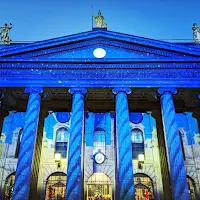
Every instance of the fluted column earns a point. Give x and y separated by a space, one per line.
74 188
175 156
25 158
125 166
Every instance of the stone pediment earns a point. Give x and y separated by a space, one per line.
118 46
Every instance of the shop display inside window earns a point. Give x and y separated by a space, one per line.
143 187
8 189
56 187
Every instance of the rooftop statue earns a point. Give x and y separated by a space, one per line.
5 39
196 33
99 21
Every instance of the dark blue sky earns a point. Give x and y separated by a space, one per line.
43 19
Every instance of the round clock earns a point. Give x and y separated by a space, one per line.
99 158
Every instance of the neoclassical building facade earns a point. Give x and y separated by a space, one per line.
100 115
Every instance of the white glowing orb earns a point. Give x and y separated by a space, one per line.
99 53
99 158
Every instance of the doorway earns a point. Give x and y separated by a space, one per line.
99 187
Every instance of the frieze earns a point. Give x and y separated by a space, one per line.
98 75
133 48
87 65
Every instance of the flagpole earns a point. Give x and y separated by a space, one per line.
92 17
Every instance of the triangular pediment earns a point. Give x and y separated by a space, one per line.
116 46
92 49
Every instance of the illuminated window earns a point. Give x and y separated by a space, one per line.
18 143
191 188
99 186
137 143
61 145
143 187
56 186
99 141
8 188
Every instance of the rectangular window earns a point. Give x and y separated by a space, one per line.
61 147
137 148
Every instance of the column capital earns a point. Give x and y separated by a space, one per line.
74 90
34 90
168 90
119 89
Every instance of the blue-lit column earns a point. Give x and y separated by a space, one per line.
124 157
175 156
74 188
24 165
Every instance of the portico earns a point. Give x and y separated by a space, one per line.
99 113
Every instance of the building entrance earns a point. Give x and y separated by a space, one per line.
99 187
56 186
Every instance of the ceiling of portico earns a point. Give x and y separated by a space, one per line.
100 99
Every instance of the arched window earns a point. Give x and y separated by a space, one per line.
182 146
137 143
56 186
62 138
191 188
143 187
8 188
99 141
18 143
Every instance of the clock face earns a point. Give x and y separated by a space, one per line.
99 53
99 158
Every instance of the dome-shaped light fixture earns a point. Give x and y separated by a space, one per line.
99 53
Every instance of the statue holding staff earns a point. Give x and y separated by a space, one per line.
99 21
5 39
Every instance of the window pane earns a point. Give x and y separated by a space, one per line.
137 136
18 143
137 148
61 147
137 143
61 144
99 141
